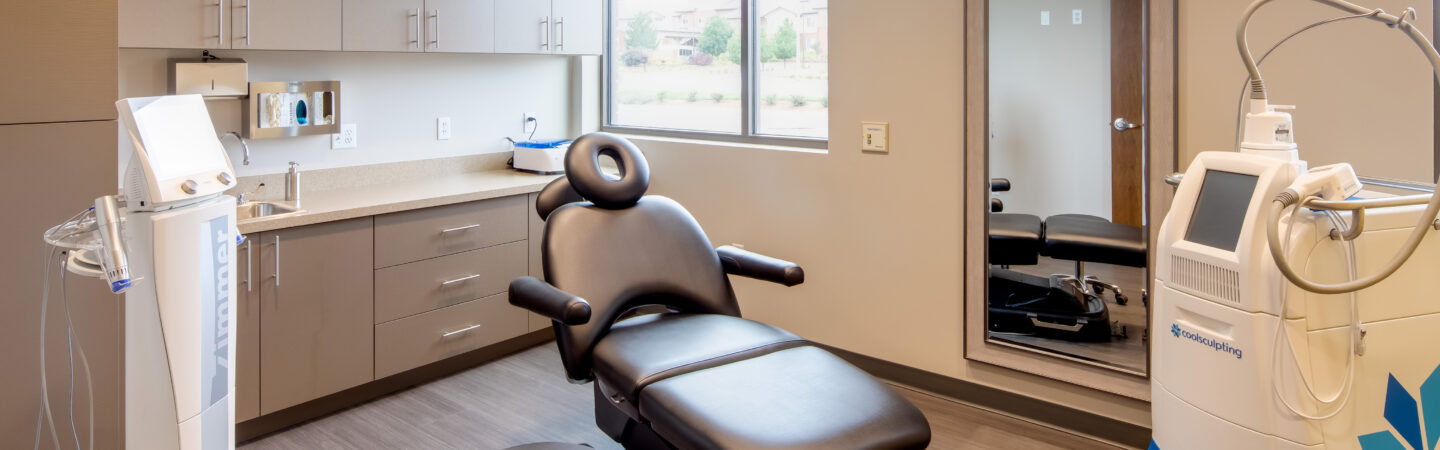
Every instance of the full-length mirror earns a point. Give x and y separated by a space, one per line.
1067 244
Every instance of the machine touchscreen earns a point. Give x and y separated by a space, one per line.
1220 209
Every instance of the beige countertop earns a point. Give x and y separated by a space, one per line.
346 203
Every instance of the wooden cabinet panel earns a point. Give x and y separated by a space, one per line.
383 25
174 23
316 310
427 233
423 286
460 26
537 270
414 341
285 24
60 61
579 26
522 26
247 335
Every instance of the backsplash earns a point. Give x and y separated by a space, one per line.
393 98
368 175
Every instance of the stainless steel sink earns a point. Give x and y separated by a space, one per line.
256 210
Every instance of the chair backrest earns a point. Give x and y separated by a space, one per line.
622 249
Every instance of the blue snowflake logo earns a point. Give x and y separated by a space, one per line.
1402 410
1175 330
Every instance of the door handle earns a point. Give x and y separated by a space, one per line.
415 20
277 260
545 23
1121 124
560 30
246 7
219 22
435 14
249 267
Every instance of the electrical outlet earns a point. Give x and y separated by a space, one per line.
528 122
442 128
346 138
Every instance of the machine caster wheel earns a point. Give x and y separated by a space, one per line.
1121 299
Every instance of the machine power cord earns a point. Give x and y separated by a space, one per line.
46 416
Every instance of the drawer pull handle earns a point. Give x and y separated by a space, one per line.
460 280
462 330
452 230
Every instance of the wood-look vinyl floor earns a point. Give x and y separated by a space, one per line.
524 398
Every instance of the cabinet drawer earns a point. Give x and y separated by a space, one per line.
418 340
445 230
427 285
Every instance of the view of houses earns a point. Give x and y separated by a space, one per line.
676 65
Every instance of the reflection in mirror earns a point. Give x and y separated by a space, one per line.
1067 244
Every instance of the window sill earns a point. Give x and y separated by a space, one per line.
717 144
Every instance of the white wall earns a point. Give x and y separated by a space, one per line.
1050 106
1364 91
394 98
880 236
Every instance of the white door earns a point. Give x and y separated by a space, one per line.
174 23
384 25
460 26
523 26
285 24
579 26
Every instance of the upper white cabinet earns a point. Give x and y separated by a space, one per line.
567 27
285 24
384 25
460 26
174 23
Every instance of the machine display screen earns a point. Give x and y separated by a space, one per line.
1220 211
179 138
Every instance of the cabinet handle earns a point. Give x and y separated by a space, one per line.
452 230
415 19
249 267
462 330
436 15
277 260
460 280
560 25
545 23
219 22
247 23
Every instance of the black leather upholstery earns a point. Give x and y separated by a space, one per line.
1015 239
645 349
1092 239
542 298
554 195
754 265
800 398
582 167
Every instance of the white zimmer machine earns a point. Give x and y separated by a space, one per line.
167 242
1292 308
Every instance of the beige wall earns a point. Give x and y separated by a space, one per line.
879 235
1363 90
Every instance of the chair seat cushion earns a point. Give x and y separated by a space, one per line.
799 398
1092 239
648 348
1015 239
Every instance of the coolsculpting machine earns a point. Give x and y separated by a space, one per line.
168 243
1293 309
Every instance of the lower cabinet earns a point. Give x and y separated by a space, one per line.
316 311
247 333
414 341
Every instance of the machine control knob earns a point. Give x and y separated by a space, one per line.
225 178
190 186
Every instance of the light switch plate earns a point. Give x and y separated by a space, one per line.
442 128
1044 18
1076 16
875 137
346 138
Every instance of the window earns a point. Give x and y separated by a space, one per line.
741 70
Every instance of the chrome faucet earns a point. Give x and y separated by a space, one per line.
245 195
292 184
244 147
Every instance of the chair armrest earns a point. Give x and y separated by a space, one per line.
754 265
546 300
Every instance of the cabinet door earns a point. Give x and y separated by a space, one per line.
285 24
383 25
579 26
522 26
316 311
174 23
247 335
60 61
460 26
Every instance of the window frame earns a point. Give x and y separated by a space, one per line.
749 110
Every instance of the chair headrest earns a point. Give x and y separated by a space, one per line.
582 168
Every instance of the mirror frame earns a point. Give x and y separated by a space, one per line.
1161 144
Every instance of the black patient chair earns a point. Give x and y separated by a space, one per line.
696 376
